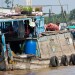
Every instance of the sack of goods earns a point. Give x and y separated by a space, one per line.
52 27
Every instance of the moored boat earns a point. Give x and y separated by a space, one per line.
19 52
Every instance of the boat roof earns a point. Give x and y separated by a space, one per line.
10 19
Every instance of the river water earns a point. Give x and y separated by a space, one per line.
68 70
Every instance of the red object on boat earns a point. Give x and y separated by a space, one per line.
52 27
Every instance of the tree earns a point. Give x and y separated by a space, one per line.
7 2
72 15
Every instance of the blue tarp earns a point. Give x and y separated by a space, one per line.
71 27
73 30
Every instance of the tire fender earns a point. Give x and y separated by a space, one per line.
54 61
72 59
64 60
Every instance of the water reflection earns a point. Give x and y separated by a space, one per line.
68 70
5 73
32 73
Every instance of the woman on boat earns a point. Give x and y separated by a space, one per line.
29 28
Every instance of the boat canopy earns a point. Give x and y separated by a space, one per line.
11 20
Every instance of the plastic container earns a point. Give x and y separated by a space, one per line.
30 46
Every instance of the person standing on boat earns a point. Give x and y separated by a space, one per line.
27 28
32 28
58 24
36 27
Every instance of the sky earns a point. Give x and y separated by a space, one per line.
54 9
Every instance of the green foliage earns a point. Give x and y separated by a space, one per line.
72 15
56 18
26 8
7 2
46 20
30 8
37 9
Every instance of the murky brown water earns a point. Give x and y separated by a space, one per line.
68 70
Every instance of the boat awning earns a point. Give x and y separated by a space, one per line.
11 20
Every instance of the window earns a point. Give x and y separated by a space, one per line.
15 26
8 24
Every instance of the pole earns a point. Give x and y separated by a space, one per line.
12 3
29 2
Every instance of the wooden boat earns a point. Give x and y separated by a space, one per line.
51 49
